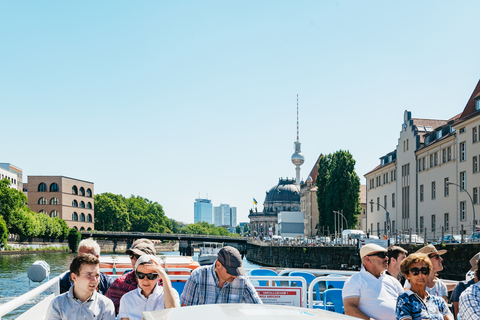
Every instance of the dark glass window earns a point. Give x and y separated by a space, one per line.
74 203
82 191
89 218
89 205
74 190
82 216
74 216
54 201
54 187
42 187
89 193
82 204
42 200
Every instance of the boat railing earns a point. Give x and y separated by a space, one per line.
53 286
311 289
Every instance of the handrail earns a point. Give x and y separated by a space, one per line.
315 281
346 273
24 298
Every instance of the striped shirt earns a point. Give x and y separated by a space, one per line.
411 306
203 288
469 304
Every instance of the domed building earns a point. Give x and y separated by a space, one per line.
281 198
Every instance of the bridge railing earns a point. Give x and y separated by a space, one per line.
178 235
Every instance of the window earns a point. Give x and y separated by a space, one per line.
89 193
445 187
463 154
475 164
74 203
82 204
393 200
433 223
462 130
393 226
82 216
89 218
421 224
446 221
434 191
385 202
42 187
474 134
371 206
449 153
74 216
75 190
378 203
54 201
82 191
463 182
89 205
421 192
431 161
42 211
463 210
54 187
477 104
42 200
54 214
475 195
435 157
378 229
444 155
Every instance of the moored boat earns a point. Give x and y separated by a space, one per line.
208 252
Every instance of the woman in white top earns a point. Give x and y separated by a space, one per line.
435 286
149 295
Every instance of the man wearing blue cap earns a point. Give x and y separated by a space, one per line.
222 282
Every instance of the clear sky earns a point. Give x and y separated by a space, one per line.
170 100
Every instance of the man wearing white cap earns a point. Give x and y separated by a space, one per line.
462 285
372 294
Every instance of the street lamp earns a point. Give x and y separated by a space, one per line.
346 223
389 226
473 207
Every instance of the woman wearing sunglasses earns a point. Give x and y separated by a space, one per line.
416 303
149 295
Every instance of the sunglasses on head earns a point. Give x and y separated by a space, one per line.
423 270
150 276
136 256
378 254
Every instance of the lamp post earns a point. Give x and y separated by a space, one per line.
387 216
471 200
346 223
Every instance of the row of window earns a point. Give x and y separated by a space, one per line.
383 179
42 187
55 201
12 180
433 158
385 204
446 190
53 213
82 204
75 217
82 228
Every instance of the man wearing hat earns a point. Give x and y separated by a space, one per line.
128 281
222 282
462 285
469 304
435 286
372 293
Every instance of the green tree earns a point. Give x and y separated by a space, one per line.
246 229
238 229
65 230
10 200
145 215
74 239
3 233
172 226
111 213
338 189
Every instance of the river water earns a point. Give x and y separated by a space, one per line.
13 273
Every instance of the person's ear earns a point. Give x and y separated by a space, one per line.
73 276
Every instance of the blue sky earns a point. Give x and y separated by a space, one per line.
170 100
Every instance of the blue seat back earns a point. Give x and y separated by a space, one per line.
334 284
309 277
177 285
263 272
333 296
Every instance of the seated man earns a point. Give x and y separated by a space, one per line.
469 304
87 246
222 282
462 285
128 281
395 256
372 293
82 300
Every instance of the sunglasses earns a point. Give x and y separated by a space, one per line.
150 276
382 255
136 256
423 270
436 256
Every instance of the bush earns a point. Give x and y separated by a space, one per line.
3 233
74 239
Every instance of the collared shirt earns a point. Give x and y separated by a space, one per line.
411 306
203 288
469 304
439 289
459 288
378 296
103 285
133 303
67 307
120 286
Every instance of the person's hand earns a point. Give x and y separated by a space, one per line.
157 268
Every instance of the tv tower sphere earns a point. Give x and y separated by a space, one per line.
298 159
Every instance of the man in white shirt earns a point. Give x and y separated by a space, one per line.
371 293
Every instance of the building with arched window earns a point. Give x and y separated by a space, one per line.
67 196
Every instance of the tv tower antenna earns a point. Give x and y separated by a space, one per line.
297 158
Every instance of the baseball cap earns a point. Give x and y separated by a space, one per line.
474 262
145 259
231 259
141 247
371 248
430 249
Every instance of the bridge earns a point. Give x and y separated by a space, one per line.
186 241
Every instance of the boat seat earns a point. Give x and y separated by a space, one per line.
178 285
264 272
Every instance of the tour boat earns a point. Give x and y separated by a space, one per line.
209 252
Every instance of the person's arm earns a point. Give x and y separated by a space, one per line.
53 311
168 292
351 308
250 294
448 317
455 309
188 297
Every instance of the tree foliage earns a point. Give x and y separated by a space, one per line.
338 189
205 228
111 212
3 233
74 239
